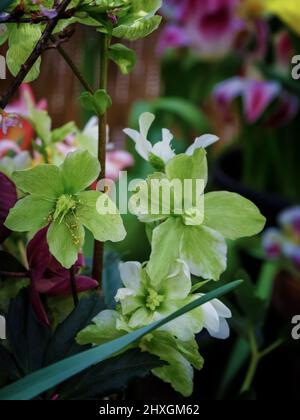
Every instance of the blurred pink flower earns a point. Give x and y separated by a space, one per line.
284 50
19 129
257 96
210 26
49 277
173 36
117 161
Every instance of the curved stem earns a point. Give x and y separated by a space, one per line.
102 140
74 69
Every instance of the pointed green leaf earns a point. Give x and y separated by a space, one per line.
124 57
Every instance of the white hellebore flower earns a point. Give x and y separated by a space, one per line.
161 152
144 300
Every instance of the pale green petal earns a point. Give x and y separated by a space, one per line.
190 350
232 215
188 167
29 214
146 202
185 326
102 331
104 227
42 180
65 241
204 250
178 284
165 249
141 318
178 372
131 275
79 170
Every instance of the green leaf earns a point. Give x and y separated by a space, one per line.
232 215
138 29
78 171
59 134
62 343
111 376
22 40
99 102
41 122
104 226
47 378
102 101
124 57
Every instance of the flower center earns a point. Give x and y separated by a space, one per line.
193 217
64 205
153 300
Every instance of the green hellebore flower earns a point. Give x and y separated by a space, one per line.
197 235
143 301
57 197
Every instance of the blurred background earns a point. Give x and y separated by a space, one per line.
219 67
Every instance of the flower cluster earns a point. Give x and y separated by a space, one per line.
192 243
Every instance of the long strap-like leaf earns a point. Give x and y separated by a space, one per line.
38 382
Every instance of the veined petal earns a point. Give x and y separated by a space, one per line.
79 170
204 250
131 275
141 318
43 180
104 227
178 284
65 241
29 214
185 167
165 249
232 215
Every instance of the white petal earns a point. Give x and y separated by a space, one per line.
142 145
211 318
202 142
123 293
146 120
224 331
222 310
131 275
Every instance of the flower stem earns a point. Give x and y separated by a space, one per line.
73 286
256 358
74 69
102 140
